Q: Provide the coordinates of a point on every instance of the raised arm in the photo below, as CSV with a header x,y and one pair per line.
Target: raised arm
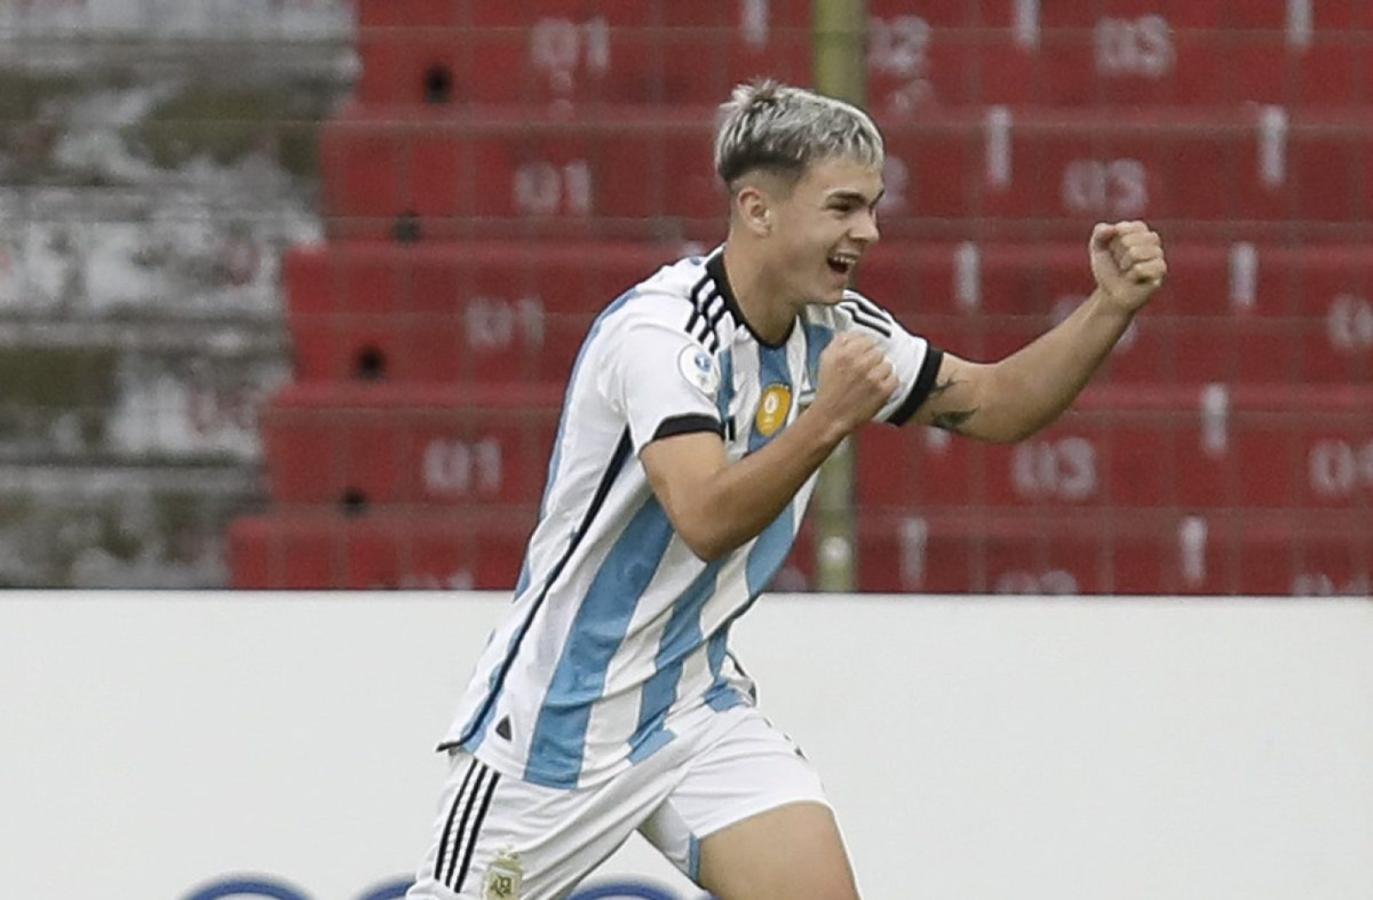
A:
x,y
1010,400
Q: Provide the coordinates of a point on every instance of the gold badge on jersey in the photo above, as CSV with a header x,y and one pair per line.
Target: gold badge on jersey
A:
x,y
772,410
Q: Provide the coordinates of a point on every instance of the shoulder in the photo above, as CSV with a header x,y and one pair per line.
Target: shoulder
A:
x,y
860,312
682,297
854,311
665,296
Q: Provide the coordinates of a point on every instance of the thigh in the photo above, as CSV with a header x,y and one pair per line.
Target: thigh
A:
x,y
792,852
749,819
500,838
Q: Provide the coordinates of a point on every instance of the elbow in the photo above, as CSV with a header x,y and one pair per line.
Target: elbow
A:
x,y
705,545
1012,431
1017,432
703,534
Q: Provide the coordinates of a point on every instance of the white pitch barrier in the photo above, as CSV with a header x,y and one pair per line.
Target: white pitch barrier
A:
x,y
156,745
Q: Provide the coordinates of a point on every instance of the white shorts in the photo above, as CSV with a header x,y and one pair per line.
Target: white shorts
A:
x,y
499,838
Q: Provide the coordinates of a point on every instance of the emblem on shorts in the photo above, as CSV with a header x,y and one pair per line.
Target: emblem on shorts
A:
x,y
503,877
699,369
772,410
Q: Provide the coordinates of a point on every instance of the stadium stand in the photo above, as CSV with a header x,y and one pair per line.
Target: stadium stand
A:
x,y
145,204
504,170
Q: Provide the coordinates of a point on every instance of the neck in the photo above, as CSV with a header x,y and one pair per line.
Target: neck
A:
x,y
763,304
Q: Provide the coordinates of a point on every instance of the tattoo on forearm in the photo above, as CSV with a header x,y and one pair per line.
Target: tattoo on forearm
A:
x,y
942,386
954,420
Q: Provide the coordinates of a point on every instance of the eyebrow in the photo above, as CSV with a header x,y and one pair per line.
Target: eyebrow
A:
x,y
855,196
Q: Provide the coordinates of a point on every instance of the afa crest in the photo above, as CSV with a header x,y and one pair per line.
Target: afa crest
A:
x,y
773,409
503,878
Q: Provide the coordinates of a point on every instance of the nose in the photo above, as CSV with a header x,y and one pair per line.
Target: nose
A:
x,y
865,229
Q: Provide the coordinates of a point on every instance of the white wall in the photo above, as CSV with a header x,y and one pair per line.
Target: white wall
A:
x,y
975,748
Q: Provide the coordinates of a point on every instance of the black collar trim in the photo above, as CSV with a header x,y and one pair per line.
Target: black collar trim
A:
x,y
715,266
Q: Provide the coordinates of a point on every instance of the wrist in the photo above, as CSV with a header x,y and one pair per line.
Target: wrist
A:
x,y
822,430
1107,305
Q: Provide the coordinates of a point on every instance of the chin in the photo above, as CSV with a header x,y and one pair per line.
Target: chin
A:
x,y
833,295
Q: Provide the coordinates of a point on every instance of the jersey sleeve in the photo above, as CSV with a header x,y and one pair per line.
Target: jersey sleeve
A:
x,y
660,378
915,360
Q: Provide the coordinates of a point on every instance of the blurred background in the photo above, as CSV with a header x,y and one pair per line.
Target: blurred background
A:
x,y
289,289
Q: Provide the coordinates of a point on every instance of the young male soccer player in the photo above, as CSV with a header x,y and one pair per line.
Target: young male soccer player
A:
x,y
699,409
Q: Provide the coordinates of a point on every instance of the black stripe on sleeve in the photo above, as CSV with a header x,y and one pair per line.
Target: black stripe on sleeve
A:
x,y
867,321
868,307
708,320
715,318
687,424
696,303
924,383
476,830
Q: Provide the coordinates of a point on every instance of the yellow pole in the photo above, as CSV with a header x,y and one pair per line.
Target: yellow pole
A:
x,y
840,41
840,32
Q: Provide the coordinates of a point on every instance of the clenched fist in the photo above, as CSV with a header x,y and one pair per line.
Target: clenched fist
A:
x,y
1127,262
856,381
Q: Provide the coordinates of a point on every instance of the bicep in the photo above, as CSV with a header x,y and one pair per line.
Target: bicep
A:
x,y
957,397
679,468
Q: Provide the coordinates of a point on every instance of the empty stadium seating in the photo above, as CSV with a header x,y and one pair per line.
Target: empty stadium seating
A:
x,y
506,170
1079,54
494,312
620,165
413,549
564,62
396,549
513,311
1241,312
1259,447
363,445
1163,553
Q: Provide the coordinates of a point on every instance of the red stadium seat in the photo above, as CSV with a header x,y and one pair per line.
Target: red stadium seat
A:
x,y
1165,554
486,312
1219,166
359,446
295,549
319,550
439,278
1260,447
1230,313
617,167
979,552
512,165
1150,53
564,55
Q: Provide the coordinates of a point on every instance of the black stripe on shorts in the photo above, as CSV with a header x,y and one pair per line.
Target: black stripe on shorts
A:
x,y
476,830
452,816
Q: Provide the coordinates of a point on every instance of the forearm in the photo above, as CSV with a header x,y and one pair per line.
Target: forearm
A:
x,y
1032,387
738,500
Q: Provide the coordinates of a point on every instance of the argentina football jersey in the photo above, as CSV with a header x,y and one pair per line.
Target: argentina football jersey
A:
x,y
617,640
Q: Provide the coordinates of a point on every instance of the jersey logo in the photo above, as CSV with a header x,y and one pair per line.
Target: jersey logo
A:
x,y
772,410
699,369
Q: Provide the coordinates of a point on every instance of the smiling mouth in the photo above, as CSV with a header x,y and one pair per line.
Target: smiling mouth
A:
x,y
842,263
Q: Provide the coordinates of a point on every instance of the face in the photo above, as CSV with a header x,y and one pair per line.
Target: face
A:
x,y
823,227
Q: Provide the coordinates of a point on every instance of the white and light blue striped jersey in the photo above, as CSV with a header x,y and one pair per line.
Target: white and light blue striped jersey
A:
x,y
617,639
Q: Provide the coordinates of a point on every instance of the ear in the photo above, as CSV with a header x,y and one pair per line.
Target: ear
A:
x,y
754,208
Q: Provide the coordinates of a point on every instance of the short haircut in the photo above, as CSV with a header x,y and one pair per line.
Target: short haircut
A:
x,y
782,129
